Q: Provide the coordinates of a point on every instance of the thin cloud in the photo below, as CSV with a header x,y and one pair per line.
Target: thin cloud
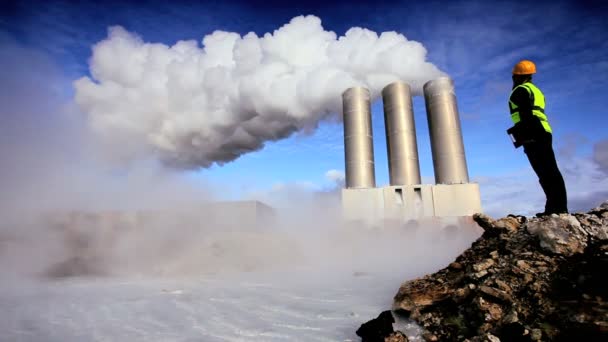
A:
x,y
336,177
600,155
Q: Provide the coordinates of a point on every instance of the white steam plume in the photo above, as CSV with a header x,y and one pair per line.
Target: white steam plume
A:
x,y
192,106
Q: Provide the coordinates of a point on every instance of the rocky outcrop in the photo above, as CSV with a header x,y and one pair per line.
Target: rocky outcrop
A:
x,y
380,329
539,279
396,336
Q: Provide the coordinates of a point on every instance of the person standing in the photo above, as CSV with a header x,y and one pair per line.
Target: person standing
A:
x,y
527,107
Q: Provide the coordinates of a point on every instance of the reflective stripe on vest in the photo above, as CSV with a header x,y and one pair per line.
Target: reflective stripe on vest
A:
x,y
538,105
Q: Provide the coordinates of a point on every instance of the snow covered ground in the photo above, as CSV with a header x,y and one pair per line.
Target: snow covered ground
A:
x,y
315,288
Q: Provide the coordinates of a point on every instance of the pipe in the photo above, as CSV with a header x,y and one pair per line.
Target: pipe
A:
x,y
449,160
402,149
358,138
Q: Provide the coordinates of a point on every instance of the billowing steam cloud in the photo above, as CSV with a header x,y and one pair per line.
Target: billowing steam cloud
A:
x,y
192,107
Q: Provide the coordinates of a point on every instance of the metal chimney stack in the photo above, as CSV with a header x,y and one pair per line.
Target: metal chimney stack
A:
x,y
403,165
447,147
358,138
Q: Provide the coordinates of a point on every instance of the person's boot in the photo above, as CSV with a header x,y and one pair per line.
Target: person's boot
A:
x,y
548,213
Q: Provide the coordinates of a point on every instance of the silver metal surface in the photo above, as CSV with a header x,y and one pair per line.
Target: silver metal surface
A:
x,y
402,149
447,147
358,142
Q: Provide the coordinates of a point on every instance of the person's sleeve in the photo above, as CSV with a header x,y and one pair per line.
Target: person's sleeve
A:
x,y
524,101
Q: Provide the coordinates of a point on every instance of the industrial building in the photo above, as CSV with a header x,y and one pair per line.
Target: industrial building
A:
x,y
451,197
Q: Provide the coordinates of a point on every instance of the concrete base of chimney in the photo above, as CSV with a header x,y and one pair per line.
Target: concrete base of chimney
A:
x,y
377,207
456,199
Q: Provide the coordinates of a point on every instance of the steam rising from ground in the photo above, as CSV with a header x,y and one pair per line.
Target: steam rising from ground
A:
x,y
165,275
160,275
224,239
194,106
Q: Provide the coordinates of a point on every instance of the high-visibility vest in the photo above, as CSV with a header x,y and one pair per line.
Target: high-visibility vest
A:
x,y
538,105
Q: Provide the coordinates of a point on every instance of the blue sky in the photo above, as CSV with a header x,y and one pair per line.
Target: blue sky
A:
x,y
475,42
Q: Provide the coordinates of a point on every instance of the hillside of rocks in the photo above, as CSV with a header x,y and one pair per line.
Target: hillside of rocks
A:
x,y
524,279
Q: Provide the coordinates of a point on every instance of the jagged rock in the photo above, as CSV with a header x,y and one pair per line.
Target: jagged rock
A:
x,y
421,294
492,338
397,336
511,317
485,222
560,234
536,334
456,266
491,311
523,280
484,338
496,293
594,224
428,336
378,328
483,265
510,224
601,208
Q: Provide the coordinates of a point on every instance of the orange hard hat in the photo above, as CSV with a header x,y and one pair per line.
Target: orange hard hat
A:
x,y
524,67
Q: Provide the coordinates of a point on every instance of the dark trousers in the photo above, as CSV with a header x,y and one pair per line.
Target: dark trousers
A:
x,y
541,157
